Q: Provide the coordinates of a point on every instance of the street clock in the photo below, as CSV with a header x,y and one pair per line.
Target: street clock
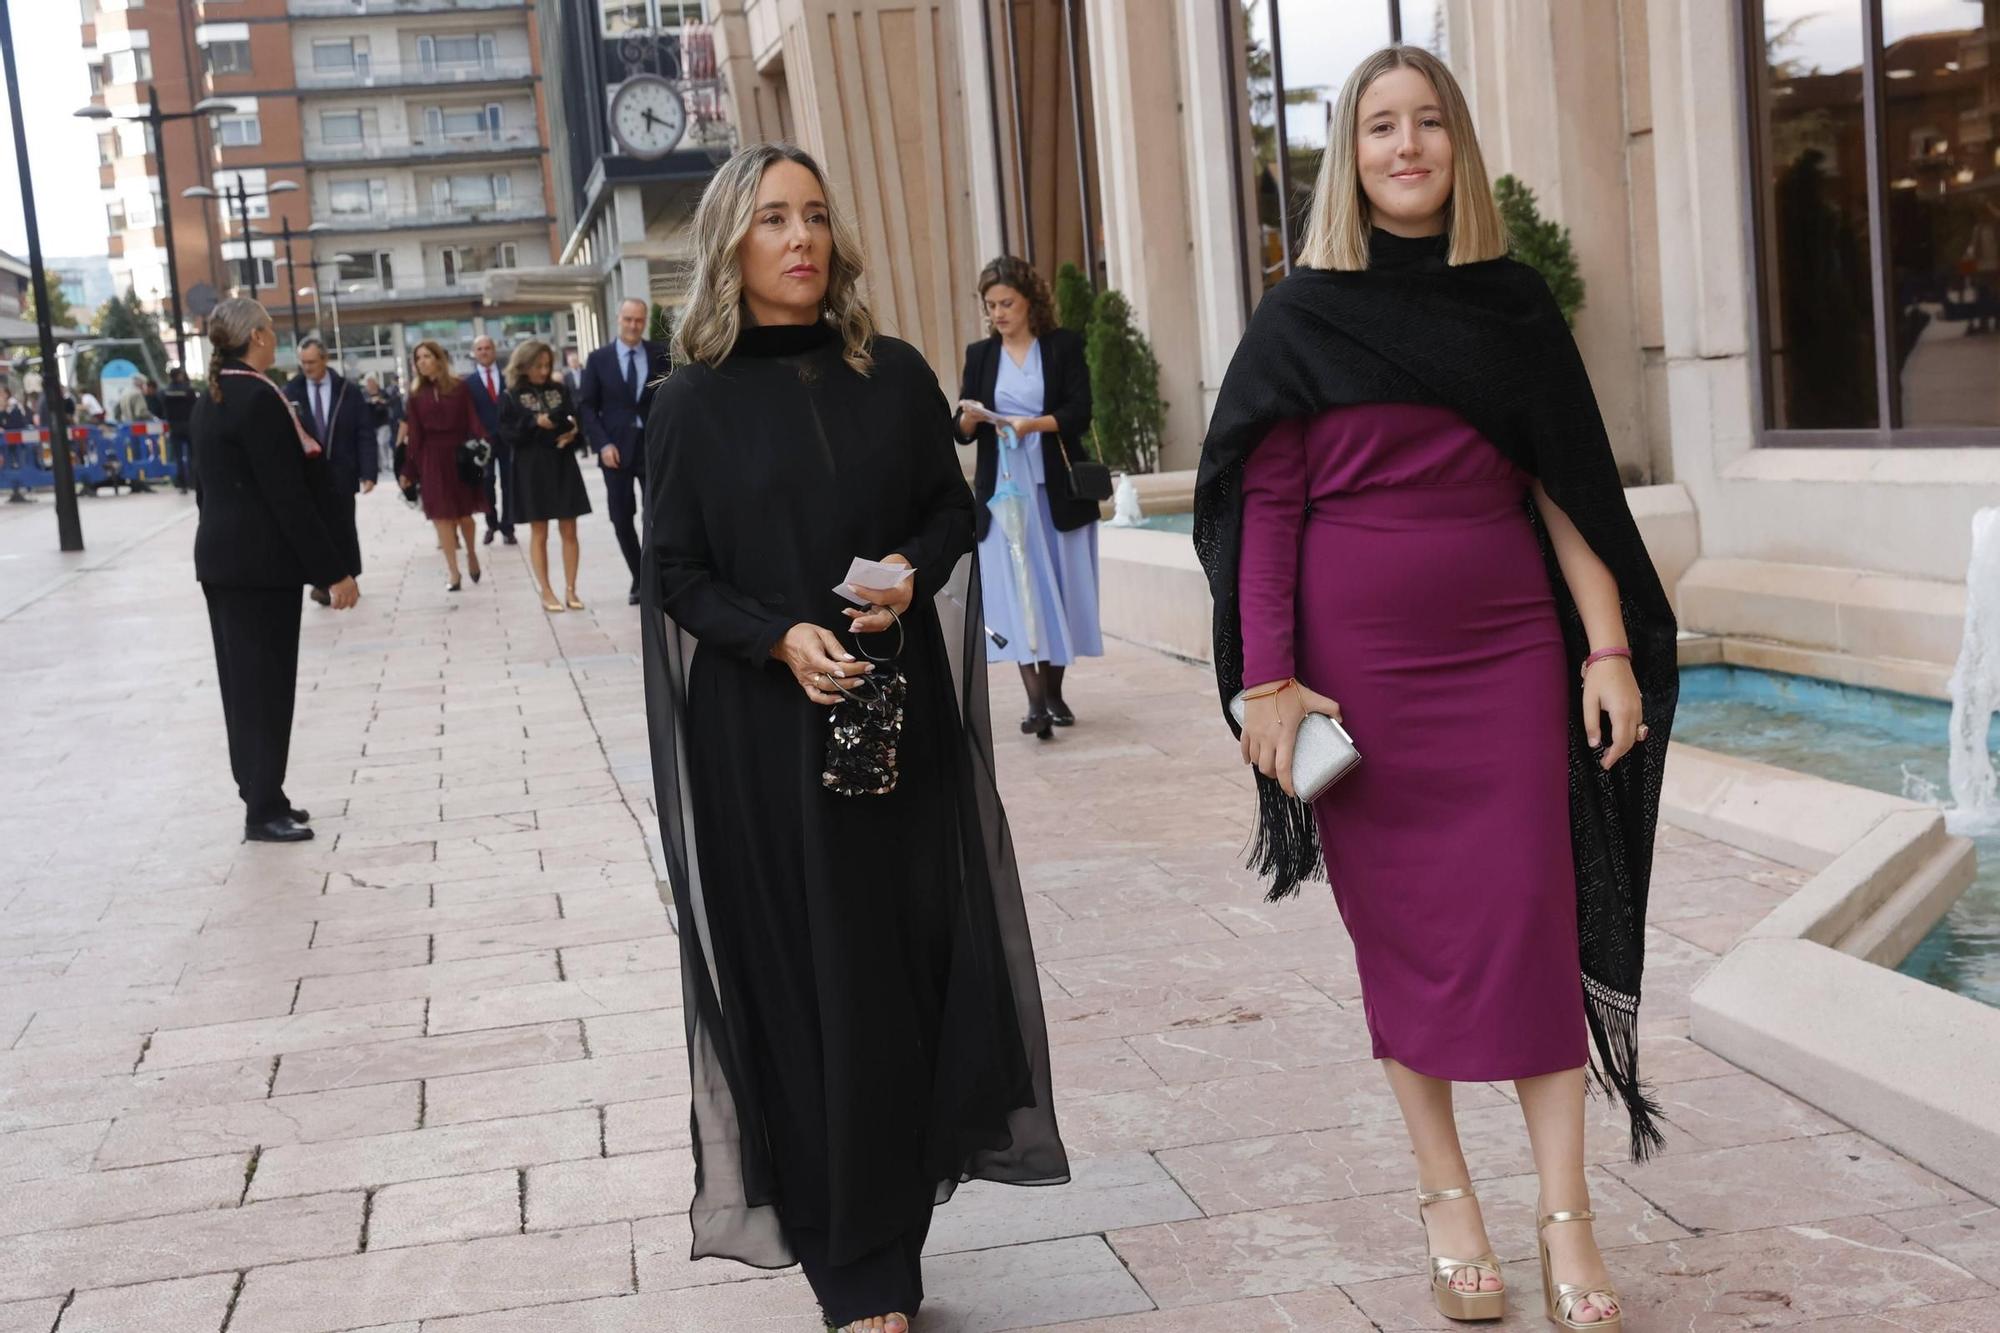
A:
x,y
648,116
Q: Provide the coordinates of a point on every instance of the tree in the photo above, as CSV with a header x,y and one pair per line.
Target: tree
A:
x,y
661,329
126,317
1130,419
1074,297
1542,245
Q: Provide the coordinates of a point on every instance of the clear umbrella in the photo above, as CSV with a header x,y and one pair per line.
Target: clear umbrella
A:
x,y
1010,510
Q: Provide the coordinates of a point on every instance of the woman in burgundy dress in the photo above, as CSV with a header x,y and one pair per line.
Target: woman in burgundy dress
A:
x,y
1411,520
440,417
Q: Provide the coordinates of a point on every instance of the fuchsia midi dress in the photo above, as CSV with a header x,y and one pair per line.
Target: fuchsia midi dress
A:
x,y
1389,564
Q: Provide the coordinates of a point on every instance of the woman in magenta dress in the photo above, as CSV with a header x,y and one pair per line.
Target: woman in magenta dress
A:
x,y
1411,520
440,417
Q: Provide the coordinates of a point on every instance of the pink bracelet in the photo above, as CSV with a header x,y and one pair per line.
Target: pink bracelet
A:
x,y
1600,655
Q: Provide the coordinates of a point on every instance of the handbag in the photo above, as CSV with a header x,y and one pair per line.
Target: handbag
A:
x,y
1088,480
1322,753
472,456
865,726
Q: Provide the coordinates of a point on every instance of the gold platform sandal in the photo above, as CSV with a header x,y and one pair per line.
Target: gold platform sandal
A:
x,y
1451,1302
1563,1297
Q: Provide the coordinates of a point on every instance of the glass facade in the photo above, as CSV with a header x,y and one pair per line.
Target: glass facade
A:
x,y
1877,195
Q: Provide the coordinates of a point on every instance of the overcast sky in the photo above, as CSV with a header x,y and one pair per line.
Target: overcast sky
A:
x,y
62,150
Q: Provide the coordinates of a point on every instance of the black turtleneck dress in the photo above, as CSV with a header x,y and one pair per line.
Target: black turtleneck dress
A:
x,y
864,1029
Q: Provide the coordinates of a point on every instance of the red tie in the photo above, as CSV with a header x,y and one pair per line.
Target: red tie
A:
x,y
492,390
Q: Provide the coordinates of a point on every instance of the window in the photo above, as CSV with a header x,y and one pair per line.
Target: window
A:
x,y
340,128
341,56
254,179
99,75
227,57
472,190
264,270
463,122
1298,54
1877,315
455,50
132,138
114,215
622,16
373,267
107,148
239,131
350,197
461,261
129,66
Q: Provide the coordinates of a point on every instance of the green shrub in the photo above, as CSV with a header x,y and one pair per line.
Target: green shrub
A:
x,y
1542,245
1130,419
1073,298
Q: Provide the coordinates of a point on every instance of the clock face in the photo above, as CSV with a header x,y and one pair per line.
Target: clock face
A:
x,y
648,116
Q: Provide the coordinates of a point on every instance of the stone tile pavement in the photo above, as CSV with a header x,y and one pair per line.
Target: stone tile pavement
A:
x,y
424,1074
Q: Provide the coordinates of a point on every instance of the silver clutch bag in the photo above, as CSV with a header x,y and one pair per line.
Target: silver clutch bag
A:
x,y
1322,754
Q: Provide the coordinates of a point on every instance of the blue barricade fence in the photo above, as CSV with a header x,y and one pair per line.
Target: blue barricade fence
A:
x,y
133,454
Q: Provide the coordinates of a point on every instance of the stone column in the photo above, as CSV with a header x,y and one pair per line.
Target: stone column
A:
x,y
1144,159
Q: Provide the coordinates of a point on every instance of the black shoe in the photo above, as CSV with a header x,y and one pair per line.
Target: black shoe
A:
x,y
507,536
453,586
491,533
299,816
1060,715
632,598
1038,724
282,829
322,596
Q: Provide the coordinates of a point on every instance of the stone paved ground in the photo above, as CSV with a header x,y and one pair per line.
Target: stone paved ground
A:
x,y
424,1075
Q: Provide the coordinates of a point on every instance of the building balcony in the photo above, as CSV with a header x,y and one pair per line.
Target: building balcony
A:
x,y
341,9
433,290
438,215
415,75
380,149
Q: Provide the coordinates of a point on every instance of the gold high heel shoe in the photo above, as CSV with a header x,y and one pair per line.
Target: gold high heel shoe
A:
x,y
1451,1302
1562,1297
575,602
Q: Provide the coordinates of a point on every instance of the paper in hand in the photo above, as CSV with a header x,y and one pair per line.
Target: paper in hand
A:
x,y
873,575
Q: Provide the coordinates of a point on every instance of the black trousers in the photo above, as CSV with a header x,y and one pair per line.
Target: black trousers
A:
x,y
347,537
500,488
622,488
885,1281
256,633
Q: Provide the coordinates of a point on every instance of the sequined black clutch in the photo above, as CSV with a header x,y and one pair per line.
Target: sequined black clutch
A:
x,y
865,727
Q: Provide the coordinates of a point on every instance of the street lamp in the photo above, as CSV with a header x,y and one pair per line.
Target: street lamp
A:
x,y
241,197
314,265
154,118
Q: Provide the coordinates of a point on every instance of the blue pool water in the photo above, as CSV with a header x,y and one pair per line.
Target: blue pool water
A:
x,y
1885,742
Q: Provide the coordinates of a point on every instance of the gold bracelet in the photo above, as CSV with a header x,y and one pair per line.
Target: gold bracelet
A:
x,y
1266,691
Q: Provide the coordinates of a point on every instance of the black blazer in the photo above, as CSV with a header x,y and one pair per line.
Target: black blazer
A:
x,y
260,524
1065,396
608,414
350,430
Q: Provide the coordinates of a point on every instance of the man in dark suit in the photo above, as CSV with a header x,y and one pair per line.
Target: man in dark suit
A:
x,y
486,384
616,389
333,413
572,375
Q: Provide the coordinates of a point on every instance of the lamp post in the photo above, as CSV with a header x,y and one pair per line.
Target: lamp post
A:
x,y
69,528
154,118
315,265
240,197
285,230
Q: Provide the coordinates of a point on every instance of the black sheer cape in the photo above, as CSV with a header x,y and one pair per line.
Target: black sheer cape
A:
x,y
764,475
1487,341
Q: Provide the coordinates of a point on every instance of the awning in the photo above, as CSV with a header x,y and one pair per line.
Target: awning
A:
x,y
15,331
551,284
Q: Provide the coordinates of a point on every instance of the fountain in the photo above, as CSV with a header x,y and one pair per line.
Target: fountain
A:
x,y
1975,687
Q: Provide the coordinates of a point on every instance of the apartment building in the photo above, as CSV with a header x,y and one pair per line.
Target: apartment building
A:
x,y
392,153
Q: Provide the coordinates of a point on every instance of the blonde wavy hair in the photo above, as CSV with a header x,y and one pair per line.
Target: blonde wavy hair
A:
x,y
523,359
713,318
1338,221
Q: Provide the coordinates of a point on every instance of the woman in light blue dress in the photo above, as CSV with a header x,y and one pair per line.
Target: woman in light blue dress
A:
x,y
1037,540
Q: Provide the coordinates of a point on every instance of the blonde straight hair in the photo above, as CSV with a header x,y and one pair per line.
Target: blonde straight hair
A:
x,y
714,315
1337,226
523,360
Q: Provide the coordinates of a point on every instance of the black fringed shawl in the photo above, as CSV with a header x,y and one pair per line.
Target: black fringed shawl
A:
x,y
1487,341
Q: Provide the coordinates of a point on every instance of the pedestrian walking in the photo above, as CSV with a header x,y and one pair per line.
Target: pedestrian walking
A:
x,y
260,537
616,389
1039,564
538,421
440,421
334,414
864,1023
1411,521
487,392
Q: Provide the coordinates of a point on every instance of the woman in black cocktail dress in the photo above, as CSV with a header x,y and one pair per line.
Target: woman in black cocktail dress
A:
x,y
538,418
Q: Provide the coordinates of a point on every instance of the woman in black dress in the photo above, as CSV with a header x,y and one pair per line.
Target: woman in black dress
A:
x,y
864,1024
259,542
538,418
